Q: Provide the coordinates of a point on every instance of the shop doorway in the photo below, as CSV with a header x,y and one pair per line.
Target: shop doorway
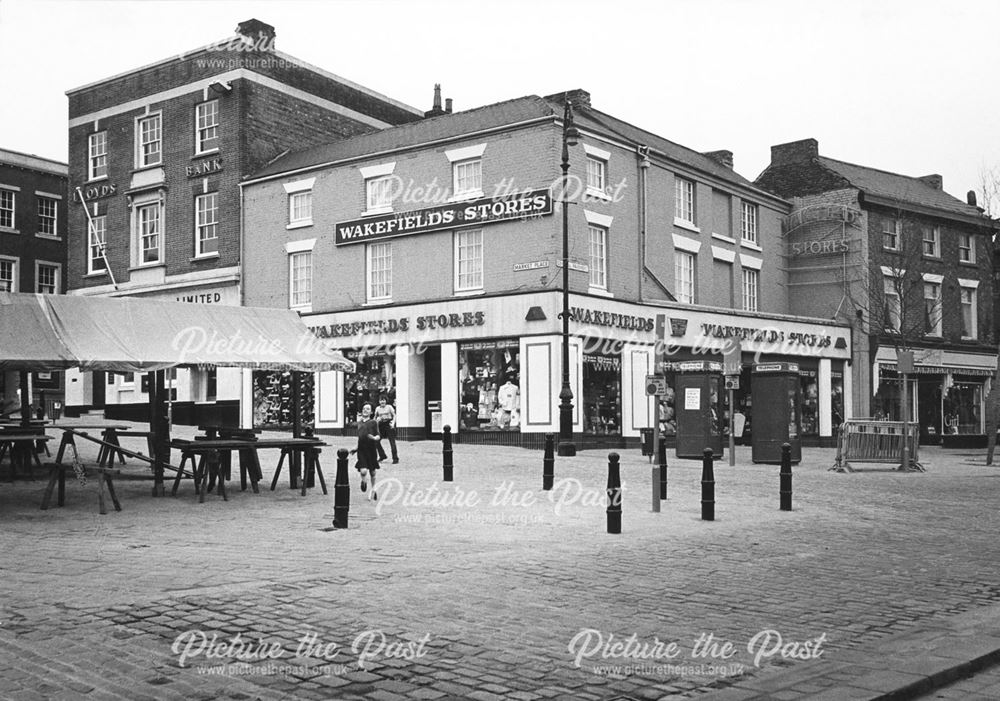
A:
x,y
602,391
432,391
929,409
98,382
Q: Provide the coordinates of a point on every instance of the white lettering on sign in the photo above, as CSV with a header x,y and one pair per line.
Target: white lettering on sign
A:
x,y
815,248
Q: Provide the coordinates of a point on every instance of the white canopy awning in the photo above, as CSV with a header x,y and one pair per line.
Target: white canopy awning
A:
x,y
130,334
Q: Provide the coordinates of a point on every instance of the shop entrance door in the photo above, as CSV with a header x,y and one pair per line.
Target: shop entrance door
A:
x,y
432,392
929,409
99,381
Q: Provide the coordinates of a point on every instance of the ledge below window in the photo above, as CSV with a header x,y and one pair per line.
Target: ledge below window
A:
x,y
470,195
684,224
204,256
469,293
8,230
299,224
600,292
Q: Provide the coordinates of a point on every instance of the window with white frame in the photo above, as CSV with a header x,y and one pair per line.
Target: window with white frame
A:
x,y
8,275
468,260
206,118
97,155
966,248
379,271
147,221
596,174
684,199
932,241
300,279
890,233
148,141
468,177
598,257
749,222
684,276
48,208
47,278
751,289
378,193
932,308
206,224
300,207
7,209
96,240
892,306
968,299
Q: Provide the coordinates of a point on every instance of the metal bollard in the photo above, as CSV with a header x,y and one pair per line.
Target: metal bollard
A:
x,y
785,479
655,481
614,494
341,491
707,487
662,460
548,462
446,453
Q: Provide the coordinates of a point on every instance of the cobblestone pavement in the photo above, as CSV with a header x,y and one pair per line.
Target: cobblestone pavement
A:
x,y
488,587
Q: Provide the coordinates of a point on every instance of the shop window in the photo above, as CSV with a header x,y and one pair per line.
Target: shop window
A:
x,y
837,400
490,386
963,408
602,404
809,414
273,400
374,376
888,401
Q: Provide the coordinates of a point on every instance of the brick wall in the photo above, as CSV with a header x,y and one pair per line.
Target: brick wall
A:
x,y
24,245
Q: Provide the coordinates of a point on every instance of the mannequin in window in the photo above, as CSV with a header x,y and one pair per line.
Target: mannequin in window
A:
x,y
508,397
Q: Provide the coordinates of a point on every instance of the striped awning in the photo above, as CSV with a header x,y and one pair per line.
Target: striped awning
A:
x,y
943,370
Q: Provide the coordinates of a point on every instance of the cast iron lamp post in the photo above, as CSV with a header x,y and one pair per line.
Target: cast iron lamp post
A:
x,y
570,137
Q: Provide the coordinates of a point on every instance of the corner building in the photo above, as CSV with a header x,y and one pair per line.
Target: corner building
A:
x,y
909,267
156,157
431,254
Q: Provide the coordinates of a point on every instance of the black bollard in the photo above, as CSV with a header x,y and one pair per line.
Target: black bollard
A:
x,y
707,487
785,480
446,453
341,491
548,462
614,494
661,458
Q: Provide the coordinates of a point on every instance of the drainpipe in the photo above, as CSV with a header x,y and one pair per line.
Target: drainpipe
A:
x,y
642,152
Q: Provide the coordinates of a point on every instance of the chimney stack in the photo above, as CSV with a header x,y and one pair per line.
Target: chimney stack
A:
x,y
259,34
447,105
722,157
801,151
579,98
435,109
935,181
971,198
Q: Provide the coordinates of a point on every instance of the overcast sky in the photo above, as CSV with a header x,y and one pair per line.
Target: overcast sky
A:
x,y
911,87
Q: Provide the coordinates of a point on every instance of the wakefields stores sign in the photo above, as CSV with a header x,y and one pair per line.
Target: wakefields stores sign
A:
x,y
487,210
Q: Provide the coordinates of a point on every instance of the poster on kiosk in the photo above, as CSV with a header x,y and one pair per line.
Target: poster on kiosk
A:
x,y
699,409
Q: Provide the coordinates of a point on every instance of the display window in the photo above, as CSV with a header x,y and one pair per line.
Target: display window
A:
x,y
273,400
810,402
963,408
489,378
888,401
837,400
602,403
374,376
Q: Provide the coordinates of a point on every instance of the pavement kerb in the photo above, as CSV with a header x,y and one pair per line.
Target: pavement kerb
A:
x,y
904,666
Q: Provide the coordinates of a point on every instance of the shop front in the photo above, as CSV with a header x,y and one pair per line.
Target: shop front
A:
x,y
946,391
490,368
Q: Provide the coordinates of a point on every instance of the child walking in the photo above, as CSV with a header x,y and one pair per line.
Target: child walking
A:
x,y
367,450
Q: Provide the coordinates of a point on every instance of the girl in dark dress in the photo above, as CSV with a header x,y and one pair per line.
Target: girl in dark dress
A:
x,y
367,450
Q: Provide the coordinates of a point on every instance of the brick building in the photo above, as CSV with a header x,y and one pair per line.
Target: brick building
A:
x,y
432,252
156,157
32,247
910,267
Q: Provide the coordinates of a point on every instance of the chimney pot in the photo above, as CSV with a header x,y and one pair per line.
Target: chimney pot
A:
x,y
971,198
794,152
447,105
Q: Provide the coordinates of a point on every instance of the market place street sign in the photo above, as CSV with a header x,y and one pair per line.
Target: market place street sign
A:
x,y
487,210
